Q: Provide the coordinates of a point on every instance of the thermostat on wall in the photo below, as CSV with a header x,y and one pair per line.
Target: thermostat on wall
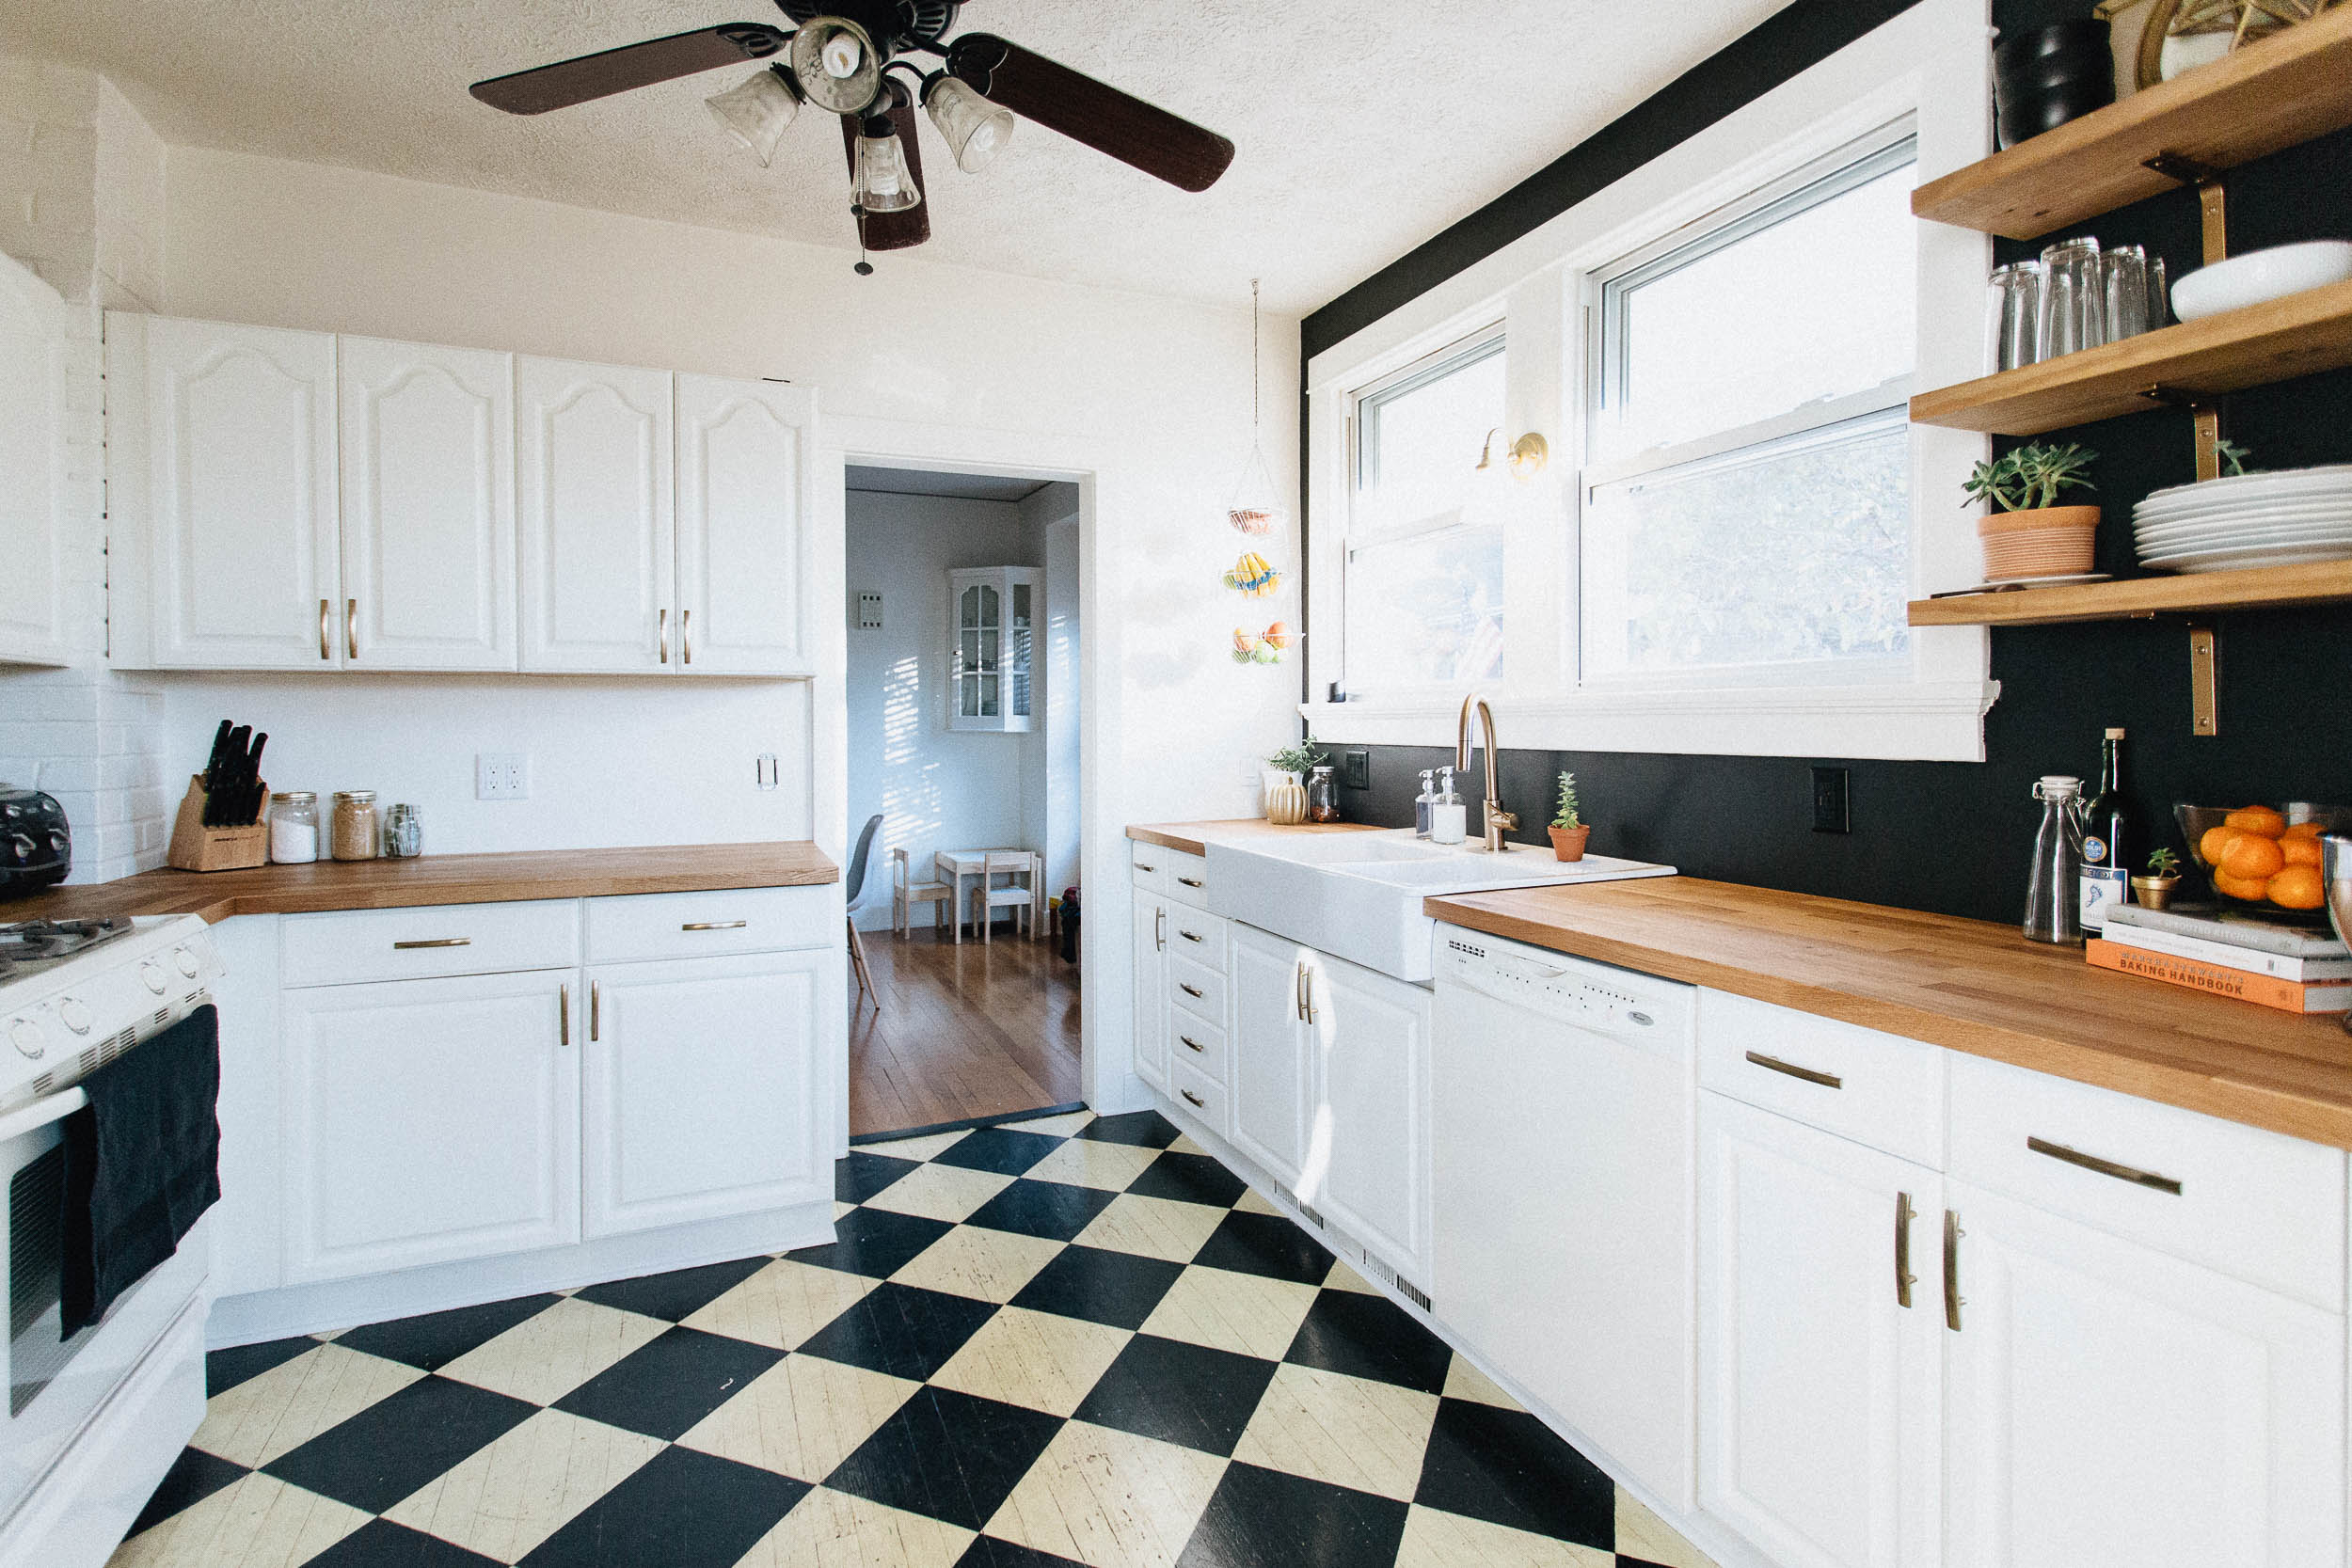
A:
x,y
869,612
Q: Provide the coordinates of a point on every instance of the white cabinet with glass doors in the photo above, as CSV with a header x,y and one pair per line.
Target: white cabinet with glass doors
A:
x,y
992,651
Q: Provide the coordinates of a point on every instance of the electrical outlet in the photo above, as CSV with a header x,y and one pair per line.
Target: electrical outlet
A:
x,y
764,771
502,775
1831,814
1356,770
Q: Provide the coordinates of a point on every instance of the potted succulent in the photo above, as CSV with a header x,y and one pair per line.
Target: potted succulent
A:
x,y
1284,787
2030,535
1568,829
2154,890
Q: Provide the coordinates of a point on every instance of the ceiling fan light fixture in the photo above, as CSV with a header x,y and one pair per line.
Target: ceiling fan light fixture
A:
x,y
882,183
758,111
836,65
975,129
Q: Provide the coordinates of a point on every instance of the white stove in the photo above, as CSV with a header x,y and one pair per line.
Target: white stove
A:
x,y
76,994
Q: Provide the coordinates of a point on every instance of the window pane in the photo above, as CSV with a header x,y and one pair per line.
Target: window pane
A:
x,y
1418,444
1425,609
1790,551
1818,304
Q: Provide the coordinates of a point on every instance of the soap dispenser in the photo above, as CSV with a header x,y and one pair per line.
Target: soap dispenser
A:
x,y
1422,802
1448,820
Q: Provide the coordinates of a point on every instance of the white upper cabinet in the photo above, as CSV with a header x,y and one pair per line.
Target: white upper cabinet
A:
x,y
32,455
745,490
991,647
238,436
428,506
593,446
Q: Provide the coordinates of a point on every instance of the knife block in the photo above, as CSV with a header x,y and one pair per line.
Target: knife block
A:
x,y
198,847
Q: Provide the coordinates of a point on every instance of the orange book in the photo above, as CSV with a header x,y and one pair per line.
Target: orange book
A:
x,y
2289,996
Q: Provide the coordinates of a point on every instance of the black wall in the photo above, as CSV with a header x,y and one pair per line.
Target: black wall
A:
x,y
1956,837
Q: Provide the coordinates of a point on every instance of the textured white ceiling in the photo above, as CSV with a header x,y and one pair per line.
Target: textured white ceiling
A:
x,y
1362,128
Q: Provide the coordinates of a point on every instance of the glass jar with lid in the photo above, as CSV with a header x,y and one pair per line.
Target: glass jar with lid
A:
x,y
356,834
1323,803
293,828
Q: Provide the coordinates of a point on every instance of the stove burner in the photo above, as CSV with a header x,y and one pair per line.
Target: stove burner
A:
x,y
32,942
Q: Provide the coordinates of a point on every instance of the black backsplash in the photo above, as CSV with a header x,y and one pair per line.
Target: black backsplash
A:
x,y
1956,837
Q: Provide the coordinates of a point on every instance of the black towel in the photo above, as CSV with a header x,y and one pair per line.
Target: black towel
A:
x,y
142,1162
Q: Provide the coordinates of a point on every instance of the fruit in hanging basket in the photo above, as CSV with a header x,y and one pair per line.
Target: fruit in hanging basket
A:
x,y
1279,635
1255,521
1252,576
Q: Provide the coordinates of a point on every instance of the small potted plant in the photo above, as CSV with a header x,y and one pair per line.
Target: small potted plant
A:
x,y
1568,829
1285,783
2154,890
2030,535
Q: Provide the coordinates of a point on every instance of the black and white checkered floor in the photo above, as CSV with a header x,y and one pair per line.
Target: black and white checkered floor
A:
x,y
1073,1339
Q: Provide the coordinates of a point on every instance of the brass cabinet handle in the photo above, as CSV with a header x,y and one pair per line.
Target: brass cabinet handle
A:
x,y
563,1015
1190,936
596,1016
351,628
1953,1301
665,635
1141,866
1192,882
1159,929
1827,1079
1904,1278
715,924
1299,989
1189,989
1194,1043
1198,1103
433,942
2132,1174
324,651
686,636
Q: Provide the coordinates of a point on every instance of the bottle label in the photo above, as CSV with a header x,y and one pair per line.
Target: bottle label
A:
x,y
2102,890
2094,850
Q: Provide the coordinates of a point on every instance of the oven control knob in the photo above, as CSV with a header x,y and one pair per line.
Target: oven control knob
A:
x,y
25,1036
188,966
76,1014
151,973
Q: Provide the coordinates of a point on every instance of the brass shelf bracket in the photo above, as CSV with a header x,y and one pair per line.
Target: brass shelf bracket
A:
x,y
2204,657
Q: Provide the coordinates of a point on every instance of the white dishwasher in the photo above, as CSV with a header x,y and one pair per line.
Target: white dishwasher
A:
x,y
1562,1095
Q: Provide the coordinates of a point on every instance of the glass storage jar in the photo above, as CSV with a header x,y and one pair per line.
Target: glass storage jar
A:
x,y
354,835
293,828
403,832
1323,803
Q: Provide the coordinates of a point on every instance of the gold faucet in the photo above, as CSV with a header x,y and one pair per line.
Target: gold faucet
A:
x,y
1498,820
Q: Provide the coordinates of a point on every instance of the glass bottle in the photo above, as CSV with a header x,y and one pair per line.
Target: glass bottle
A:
x,y
1448,820
2053,912
1422,802
2107,851
354,833
1323,802
293,828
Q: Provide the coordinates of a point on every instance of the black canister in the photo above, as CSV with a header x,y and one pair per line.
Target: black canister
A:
x,y
2046,76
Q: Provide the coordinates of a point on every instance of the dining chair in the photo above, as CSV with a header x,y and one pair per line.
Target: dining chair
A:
x,y
856,899
905,893
1019,896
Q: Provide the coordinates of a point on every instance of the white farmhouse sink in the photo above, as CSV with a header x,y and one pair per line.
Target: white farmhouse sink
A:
x,y
1357,896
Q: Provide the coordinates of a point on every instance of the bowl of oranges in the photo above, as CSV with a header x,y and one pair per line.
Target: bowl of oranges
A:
x,y
2256,856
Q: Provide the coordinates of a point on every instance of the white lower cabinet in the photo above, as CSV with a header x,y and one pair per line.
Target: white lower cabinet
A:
x,y
1817,1385
700,1091
1151,982
428,1120
1270,1073
1370,1034
2110,1406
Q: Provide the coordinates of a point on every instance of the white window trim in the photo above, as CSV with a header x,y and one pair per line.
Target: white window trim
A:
x,y
1931,62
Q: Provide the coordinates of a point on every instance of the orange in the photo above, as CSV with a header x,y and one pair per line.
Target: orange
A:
x,y
2253,858
2298,887
2304,830
2214,845
2234,887
2257,819
2301,851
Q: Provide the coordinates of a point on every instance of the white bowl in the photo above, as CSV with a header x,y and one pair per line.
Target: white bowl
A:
x,y
2260,274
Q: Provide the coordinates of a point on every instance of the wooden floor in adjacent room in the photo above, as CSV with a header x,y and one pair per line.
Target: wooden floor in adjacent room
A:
x,y
976,1030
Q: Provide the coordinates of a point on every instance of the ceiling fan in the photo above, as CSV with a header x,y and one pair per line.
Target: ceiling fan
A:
x,y
841,57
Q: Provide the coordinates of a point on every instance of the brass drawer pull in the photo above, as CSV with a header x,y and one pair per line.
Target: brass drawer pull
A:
x,y
1904,1278
1141,866
351,629
596,1009
1190,936
323,650
1953,1300
1190,989
1192,882
433,942
686,636
1827,1079
1194,1043
1198,1103
2132,1174
665,637
563,1015
715,924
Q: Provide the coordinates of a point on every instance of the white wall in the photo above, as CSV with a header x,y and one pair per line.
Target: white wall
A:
x,y
1049,798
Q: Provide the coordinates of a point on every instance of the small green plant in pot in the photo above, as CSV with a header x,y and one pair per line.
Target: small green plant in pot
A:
x,y
2154,890
2027,534
1284,786
1569,828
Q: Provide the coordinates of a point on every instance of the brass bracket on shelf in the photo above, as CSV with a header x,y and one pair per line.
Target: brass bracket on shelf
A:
x,y
2204,657
2211,197
2205,417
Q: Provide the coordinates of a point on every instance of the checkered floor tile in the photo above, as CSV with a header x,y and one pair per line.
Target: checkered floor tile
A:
x,y
1077,1339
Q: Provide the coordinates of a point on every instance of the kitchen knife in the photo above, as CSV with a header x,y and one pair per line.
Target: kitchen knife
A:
x,y
220,753
217,804
252,802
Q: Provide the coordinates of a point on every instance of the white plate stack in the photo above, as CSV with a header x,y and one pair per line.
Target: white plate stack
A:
x,y
2272,519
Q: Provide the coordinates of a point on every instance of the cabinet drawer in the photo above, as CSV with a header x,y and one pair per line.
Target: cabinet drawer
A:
x,y
1151,862
1188,879
1196,1092
1196,935
347,946
1198,1044
2259,1206
696,925
1875,1088
1196,989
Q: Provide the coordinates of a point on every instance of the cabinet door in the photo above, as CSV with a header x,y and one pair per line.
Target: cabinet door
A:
x,y
745,491
427,1120
32,455
1151,981
1270,1070
1818,1388
240,491
702,1095
1370,1035
2110,1404
428,506
593,454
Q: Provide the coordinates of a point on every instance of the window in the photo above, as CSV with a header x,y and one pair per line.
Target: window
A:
x,y
1746,501
1423,572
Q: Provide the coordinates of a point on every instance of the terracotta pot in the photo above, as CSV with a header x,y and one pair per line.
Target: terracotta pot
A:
x,y
1285,796
2045,542
1568,843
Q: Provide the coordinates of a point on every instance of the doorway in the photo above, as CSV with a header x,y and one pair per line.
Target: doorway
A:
x,y
963,737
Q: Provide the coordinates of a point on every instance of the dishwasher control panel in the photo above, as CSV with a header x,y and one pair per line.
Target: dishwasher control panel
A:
x,y
1598,996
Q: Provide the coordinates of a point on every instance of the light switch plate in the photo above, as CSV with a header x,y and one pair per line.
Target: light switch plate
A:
x,y
502,775
1832,812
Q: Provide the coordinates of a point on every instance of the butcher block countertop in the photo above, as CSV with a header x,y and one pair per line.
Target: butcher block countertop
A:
x,y
1970,984
1193,837
436,880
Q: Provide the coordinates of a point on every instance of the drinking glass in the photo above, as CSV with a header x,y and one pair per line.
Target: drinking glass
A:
x,y
2073,298
2012,316
2124,269
2159,300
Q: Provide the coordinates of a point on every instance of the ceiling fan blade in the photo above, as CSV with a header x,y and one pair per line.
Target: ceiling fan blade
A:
x,y
894,231
634,65
1089,111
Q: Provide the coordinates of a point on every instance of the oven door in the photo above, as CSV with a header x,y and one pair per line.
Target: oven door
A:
x,y
55,1383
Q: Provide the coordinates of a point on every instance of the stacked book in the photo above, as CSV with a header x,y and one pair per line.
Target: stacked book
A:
x,y
2295,969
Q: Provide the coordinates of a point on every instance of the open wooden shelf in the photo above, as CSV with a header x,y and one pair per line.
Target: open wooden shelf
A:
x,y
2137,598
2276,340
2271,94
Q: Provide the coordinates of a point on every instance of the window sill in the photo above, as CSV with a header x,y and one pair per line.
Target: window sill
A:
x,y
1909,721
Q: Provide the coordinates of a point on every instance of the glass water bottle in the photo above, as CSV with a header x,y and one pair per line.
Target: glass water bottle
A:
x,y
2053,892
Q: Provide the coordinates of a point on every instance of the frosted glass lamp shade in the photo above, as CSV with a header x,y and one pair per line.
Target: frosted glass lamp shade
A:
x,y
975,129
883,184
756,112
836,65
